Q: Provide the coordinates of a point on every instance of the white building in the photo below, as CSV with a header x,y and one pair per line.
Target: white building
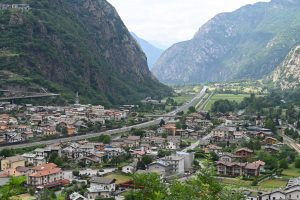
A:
x,y
176,161
34,159
289,193
188,159
101,188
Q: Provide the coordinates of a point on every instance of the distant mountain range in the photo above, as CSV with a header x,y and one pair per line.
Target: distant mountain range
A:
x,y
152,52
74,46
247,43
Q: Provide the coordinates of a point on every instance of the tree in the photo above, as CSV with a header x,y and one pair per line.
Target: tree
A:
x,y
106,139
58,161
298,124
138,132
214,156
270,124
146,160
180,113
163,153
14,187
224,106
162,123
297,162
202,187
178,125
75,173
55,158
164,135
7,152
64,131
207,117
151,188
46,194
283,164
192,109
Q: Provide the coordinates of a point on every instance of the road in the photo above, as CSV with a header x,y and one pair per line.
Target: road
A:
x,y
185,107
194,145
289,141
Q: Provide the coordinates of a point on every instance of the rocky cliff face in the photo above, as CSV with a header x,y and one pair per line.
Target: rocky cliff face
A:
x,y
152,52
247,43
287,75
76,45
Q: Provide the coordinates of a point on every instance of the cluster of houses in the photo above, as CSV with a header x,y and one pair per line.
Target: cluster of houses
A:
x,y
42,121
23,7
41,174
236,163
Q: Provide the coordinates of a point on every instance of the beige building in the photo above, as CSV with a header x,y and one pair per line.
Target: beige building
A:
x,y
46,175
12,162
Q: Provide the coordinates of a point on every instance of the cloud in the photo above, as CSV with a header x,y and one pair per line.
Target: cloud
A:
x,y
165,22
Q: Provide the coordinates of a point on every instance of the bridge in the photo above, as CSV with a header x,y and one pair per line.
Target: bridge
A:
x,y
15,95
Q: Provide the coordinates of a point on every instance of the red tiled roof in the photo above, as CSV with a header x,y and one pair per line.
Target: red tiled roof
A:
x,y
46,172
244,149
46,166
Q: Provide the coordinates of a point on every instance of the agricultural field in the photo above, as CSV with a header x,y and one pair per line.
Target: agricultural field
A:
x,y
231,97
182,99
249,87
185,93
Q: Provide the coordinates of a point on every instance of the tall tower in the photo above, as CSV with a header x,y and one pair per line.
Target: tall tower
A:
x,y
77,98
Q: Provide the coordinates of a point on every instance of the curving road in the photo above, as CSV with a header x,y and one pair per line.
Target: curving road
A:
x,y
291,142
185,107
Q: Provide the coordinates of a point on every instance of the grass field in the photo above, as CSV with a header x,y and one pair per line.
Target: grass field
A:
x,y
231,97
291,172
119,178
267,185
235,182
183,99
273,184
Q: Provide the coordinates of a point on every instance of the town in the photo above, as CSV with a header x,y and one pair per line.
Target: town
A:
x,y
240,147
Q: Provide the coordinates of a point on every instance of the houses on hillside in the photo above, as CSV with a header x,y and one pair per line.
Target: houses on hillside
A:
x,y
235,169
54,121
46,175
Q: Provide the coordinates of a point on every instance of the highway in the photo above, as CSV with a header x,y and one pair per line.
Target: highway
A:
x,y
185,107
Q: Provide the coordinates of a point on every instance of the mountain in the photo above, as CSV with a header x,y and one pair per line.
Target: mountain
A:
x,y
152,52
247,43
69,46
287,75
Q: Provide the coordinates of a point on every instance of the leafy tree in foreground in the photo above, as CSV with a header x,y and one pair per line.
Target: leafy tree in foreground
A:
x,y
14,187
203,187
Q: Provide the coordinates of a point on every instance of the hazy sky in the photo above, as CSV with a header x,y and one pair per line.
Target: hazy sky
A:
x,y
165,22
